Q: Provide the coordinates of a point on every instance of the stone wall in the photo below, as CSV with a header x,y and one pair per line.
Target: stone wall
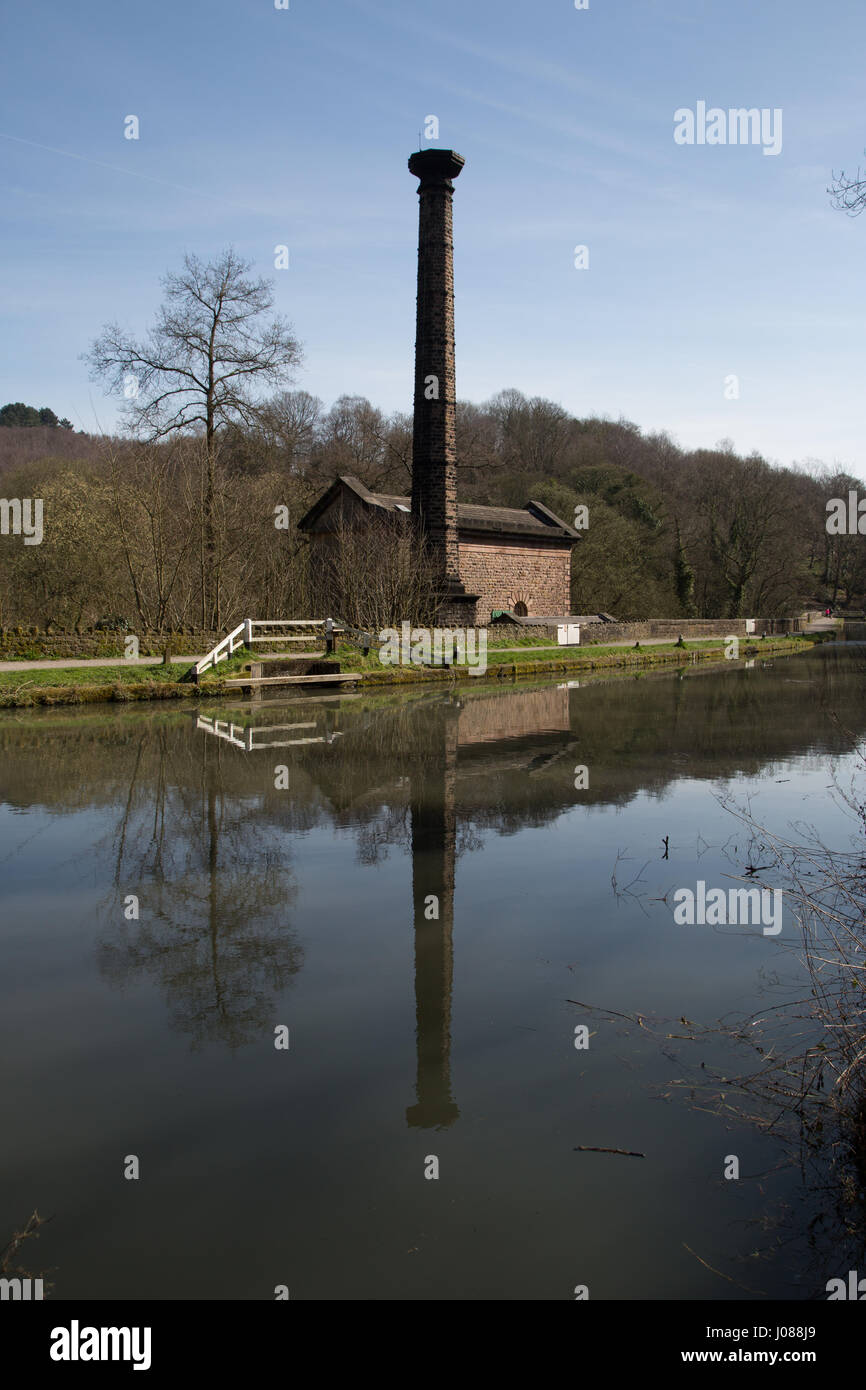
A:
x,y
35,646
504,574
691,629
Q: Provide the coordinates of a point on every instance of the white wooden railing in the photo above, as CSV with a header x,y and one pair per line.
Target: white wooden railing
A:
x,y
223,650
243,636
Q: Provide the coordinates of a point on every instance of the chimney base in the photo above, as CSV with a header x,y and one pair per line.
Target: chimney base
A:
x,y
456,608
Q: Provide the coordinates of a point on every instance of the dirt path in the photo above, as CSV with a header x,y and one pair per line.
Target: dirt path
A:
x,y
71,663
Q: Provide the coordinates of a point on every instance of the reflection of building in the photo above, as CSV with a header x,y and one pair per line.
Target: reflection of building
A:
x,y
515,734
434,841
494,719
434,835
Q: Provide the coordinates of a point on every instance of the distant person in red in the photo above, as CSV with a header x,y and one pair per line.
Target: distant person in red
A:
x,y
826,612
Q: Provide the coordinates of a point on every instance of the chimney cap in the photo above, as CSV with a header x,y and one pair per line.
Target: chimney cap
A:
x,y
432,166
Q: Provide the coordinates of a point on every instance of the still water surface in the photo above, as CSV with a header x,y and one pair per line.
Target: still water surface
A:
x,y
304,897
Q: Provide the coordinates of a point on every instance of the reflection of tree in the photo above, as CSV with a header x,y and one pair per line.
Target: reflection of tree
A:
x,y
795,1071
810,1081
213,890
198,830
375,836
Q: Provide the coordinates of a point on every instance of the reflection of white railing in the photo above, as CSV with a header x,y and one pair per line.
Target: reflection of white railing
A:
x,y
243,637
245,737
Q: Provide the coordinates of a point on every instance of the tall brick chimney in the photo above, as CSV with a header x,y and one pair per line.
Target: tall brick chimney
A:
x,y
434,449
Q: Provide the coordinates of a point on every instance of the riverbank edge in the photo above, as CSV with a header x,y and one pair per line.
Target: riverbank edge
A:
x,y
505,670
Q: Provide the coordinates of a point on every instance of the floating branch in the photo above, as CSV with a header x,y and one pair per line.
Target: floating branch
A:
x,y
592,1149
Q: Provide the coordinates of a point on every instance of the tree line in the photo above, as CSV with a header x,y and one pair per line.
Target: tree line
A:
x,y
188,519
16,413
671,532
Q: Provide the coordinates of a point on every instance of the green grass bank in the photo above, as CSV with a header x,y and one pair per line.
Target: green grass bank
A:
x,y
93,684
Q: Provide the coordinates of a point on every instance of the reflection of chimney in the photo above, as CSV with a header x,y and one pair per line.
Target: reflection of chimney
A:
x,y
434,831
434,444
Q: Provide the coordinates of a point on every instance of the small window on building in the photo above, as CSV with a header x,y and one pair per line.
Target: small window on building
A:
x,y
520,610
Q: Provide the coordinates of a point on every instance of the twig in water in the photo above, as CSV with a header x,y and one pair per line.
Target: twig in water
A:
x,y
721,1275
593,1149
596,1008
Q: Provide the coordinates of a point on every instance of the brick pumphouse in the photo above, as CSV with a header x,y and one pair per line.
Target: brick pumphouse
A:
x,y
514,559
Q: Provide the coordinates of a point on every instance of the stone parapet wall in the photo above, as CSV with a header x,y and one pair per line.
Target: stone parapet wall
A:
x,y
24,643
691,629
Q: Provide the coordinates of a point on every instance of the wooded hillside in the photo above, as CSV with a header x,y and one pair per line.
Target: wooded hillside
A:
x,y
671,532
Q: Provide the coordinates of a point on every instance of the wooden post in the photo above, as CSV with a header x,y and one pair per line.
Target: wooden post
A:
x,y
329,636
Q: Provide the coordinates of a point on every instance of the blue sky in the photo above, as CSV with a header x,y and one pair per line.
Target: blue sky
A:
x,y
261,127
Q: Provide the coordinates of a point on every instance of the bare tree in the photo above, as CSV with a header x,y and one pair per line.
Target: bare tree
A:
x,y
289,423
401,584
353,436
849,195
200,368
748,521
30,1230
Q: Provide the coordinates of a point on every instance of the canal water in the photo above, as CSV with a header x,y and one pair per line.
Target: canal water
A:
x,y
344,995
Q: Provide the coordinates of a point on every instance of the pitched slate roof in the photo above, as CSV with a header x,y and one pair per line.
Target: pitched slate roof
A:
x,y
532,520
